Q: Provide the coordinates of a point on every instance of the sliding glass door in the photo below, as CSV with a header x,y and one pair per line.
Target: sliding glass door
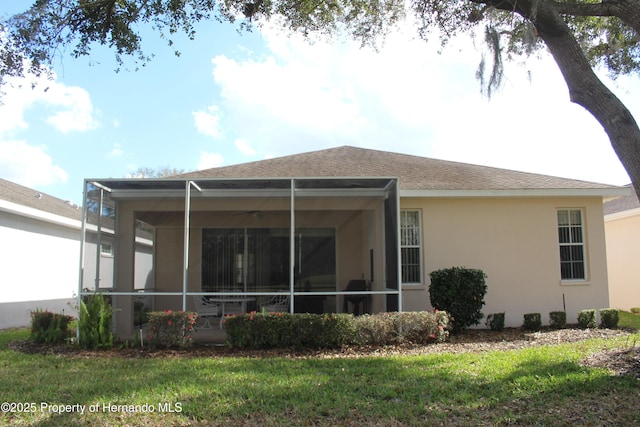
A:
x,y
222,251
258,259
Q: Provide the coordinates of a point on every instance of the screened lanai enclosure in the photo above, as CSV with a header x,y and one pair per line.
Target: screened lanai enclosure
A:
x,y
316,245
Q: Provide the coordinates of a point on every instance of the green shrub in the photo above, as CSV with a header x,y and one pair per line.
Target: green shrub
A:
x,y
495,321
558,319
532,322
419,327
303,330
286,330
587,318
609,318
171,328
635,310
95,322
140,313
375,329
49,328
460,292
258,330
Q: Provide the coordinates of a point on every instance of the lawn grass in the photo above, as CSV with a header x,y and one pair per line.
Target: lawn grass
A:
x,y
629,320
535,386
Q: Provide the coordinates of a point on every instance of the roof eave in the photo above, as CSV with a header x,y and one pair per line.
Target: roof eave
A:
x,y
32,213
622,214
529,192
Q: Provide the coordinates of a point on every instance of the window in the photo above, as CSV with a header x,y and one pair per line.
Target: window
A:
x,y
106,249
410,246
571,239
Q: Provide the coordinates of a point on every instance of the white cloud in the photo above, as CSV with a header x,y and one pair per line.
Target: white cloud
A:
x,y
294,93
28,165
244,147
409,98
303,96
116,151
78,112
529,126
73,105
209,160
17,98
208,122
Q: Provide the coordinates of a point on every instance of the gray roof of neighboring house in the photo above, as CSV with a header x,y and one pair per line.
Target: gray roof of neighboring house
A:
x,y
414,172
18,194
621,204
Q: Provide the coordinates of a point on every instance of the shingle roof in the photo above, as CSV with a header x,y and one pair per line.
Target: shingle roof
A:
x,y
414,172
31,198
621,204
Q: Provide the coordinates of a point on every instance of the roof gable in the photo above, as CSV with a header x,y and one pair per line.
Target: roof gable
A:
x,y
414,172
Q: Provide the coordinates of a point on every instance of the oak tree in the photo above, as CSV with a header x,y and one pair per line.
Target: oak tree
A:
x,y
160,172
581,35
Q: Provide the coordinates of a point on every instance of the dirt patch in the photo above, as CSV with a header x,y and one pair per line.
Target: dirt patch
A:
x,y
619,362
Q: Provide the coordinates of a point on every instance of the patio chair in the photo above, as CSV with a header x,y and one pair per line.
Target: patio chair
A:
x,y
355,300
277,303
207,309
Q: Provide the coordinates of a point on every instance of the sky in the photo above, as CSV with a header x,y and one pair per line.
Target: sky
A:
x,y
232,98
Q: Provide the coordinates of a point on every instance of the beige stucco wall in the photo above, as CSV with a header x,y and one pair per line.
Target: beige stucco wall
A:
x,y
623,253
515,242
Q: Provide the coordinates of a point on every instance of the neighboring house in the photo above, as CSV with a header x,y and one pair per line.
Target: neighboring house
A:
x,y
306,225
40,248
622,227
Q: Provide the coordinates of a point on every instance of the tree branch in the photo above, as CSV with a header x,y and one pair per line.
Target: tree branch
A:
x,y
604,8
587,90
626,10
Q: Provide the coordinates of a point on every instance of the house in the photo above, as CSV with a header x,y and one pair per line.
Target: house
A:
x,y
622,227
40,238
310,225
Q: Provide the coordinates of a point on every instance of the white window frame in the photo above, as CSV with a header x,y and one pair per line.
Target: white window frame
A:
x,y
571,243
106,249
418,246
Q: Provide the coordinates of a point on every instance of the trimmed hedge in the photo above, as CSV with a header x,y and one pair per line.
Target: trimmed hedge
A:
x,y
304,330
532,322
558,319
609,318
495,321
587,318
460,292
286,330
420,327
171,328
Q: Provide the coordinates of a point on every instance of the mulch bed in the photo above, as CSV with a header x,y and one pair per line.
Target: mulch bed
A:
x,y
619,361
